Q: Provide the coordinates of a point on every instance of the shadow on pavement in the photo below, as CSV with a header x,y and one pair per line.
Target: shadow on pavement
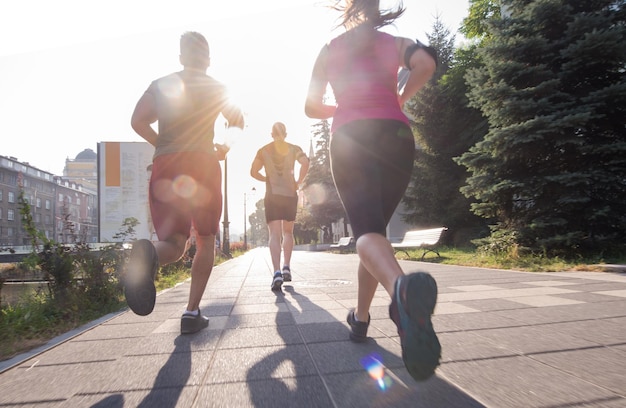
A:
x,y
326,359
172,377
112,401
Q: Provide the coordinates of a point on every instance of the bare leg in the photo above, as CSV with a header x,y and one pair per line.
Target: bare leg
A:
x,y
287,241
170,250
366,290
274,228
377,257
201,268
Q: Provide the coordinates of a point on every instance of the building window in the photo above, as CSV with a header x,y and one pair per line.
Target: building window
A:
x,y
10,231
0,213
11,215
78,201
38,202
60,197
11,197
47,204
37,218
0,195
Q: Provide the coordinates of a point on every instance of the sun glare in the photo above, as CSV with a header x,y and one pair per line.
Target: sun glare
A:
x,y
376,369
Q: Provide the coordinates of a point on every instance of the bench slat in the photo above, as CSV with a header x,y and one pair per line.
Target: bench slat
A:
x,y
420,239
343,242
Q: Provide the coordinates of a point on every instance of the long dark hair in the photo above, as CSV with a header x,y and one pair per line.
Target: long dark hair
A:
x,y
358,12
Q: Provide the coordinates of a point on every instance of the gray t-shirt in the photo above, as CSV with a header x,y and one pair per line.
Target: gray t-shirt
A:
x,y
187,105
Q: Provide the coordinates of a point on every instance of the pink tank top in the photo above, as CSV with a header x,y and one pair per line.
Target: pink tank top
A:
x,y
364,81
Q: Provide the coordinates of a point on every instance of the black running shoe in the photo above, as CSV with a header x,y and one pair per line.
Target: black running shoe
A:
x,y
412,305
286,274
138,280
358,330
190,324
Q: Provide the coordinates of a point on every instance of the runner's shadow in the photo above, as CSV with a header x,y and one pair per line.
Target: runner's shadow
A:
x,y
323,358
172,377
286,377
169,383
112,401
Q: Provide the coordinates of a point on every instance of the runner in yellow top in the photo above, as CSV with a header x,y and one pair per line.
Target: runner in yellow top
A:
x,y
281,196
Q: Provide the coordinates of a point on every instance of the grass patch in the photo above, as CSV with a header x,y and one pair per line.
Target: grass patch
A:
x,y
528,263
35,319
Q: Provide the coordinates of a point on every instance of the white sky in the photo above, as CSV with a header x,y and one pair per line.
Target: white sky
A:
x,y
71,71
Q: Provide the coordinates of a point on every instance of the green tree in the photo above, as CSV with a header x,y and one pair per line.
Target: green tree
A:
x,y
552,169
322,198
444,127
481,12
305,228
259,234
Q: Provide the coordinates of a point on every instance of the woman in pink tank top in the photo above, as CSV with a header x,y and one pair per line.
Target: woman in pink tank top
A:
x,y
372,151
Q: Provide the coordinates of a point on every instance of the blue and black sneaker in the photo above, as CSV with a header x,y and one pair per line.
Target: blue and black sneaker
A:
x,y
286,273
277,282
411,307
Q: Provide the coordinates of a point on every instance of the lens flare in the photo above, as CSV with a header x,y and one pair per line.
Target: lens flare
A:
x,y
172,86
316,194
374,366
184,186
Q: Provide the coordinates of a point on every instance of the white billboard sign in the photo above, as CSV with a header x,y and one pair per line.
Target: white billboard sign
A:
x,y
123,175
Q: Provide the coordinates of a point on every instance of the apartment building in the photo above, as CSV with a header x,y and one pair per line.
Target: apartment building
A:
x,y
62,209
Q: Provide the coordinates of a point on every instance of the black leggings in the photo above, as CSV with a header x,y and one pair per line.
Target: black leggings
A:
x,y
371,162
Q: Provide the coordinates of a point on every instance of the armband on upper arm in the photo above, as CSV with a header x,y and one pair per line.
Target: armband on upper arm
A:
x,y
410,50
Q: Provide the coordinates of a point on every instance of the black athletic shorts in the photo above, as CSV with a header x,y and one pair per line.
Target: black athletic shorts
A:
x,y
279,207
371,162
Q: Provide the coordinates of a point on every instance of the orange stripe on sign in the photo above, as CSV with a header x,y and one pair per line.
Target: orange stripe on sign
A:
x,y
112,164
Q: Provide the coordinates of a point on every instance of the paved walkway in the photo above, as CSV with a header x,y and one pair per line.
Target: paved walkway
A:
x,y
510,339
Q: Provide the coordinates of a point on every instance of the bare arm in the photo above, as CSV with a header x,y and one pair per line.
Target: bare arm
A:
x,y
143,116
304,168
255,170
314,106
421,65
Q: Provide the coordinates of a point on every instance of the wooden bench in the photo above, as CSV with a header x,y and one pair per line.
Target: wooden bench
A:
x,y
343,243
424,239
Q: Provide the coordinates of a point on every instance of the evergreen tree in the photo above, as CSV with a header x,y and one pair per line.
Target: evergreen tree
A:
x,y
444,127
552,168
323,200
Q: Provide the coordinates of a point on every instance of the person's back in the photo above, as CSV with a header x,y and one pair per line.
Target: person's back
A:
x,y
278,161
187,105
362,69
